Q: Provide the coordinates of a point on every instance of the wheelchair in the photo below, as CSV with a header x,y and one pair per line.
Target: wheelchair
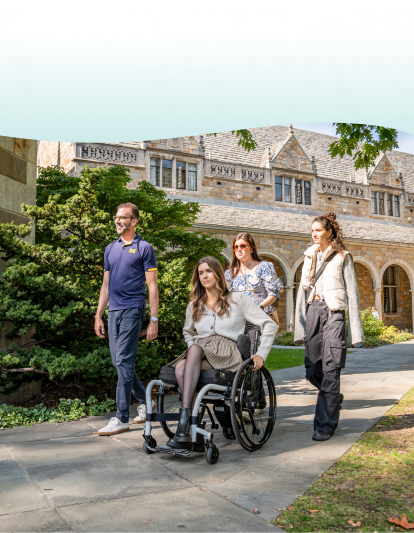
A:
x,y
242,403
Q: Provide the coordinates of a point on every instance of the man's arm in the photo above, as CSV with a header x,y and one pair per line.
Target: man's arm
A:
x,y
103,302
151,279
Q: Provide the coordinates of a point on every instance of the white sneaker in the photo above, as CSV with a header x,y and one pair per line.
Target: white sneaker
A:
x,y
113,427
142,413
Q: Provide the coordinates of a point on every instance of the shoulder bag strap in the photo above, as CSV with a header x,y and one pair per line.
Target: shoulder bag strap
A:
x,y
320,271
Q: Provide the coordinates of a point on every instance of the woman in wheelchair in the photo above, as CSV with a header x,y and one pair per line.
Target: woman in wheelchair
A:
x,y
215,318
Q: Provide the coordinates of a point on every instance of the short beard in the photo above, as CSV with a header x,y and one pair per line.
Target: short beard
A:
x,y
123,229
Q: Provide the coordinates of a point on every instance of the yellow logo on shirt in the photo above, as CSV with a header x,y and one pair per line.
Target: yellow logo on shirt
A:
x,y
132,250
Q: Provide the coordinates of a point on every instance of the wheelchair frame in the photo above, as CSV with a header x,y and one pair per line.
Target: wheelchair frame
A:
x,y
225,393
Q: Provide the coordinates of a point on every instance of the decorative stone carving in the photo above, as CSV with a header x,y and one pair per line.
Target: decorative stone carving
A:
x,y
410,199
353,190
331,188
252,175
109,155
293,161
222,171
175,143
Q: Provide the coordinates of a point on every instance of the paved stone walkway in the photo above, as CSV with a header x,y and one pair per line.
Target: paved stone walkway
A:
x,y
64,478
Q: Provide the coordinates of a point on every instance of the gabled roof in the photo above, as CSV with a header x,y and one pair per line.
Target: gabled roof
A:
x,y
224,147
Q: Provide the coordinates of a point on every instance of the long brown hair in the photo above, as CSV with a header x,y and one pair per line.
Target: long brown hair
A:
x,y
235,261
198,295
328,222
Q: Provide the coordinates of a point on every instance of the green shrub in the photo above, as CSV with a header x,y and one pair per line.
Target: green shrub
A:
x,y
12,415
285,339
52,287
371,326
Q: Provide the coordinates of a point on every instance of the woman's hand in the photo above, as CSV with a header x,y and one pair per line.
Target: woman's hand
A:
x,y
258,361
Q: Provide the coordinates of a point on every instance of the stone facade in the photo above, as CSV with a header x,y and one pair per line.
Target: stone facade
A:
x,y
18,159
274,192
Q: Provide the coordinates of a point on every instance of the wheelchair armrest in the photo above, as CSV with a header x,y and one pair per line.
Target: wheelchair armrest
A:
x,y
243,345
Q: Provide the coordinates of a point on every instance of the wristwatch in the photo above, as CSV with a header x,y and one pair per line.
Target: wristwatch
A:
x,y
261,307
154,319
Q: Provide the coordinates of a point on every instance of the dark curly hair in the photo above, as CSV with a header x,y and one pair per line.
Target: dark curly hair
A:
x,y
328,222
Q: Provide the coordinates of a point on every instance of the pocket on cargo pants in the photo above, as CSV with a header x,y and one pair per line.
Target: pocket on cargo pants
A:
x,y
335,354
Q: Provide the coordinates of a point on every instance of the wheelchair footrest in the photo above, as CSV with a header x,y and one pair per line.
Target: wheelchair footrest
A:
x,y
172,451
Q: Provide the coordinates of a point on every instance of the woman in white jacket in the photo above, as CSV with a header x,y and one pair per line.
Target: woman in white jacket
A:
x,y
327,289
214,320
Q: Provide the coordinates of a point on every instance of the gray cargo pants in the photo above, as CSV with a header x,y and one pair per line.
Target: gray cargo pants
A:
x,y
325,354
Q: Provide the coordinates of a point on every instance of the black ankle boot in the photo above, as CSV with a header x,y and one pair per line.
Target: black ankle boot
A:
x,y
183,433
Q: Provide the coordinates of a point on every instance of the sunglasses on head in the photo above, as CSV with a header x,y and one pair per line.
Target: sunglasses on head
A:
x,y
241,246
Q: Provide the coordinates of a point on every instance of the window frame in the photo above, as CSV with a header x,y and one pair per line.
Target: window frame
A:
x,y
292,181
156,167
390,290
385,204
156,171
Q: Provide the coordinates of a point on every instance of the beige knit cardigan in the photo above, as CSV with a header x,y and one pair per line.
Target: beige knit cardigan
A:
x,y
232,323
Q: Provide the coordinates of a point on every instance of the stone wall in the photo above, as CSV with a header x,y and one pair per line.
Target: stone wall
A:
x,y
53,153
287,251
18,158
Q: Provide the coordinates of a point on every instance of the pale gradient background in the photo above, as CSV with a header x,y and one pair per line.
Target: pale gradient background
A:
x,y
114,71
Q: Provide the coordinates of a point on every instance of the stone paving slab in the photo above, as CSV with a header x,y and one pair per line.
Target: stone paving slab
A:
x,y
38,520
65,478
193,508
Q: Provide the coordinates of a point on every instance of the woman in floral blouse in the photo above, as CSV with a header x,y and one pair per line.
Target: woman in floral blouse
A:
x,y
256,278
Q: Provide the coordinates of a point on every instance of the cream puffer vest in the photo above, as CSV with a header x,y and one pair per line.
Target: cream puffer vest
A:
x,y
333,283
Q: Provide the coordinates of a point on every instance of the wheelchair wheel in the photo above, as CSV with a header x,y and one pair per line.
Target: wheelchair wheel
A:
x,y
212,454
253,406
169,403
151,442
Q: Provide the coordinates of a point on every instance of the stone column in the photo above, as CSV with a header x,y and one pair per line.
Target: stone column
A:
x,y
290,319
378,302
412,307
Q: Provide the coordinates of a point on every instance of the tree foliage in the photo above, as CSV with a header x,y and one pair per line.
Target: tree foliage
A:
x,y
52,287
364,142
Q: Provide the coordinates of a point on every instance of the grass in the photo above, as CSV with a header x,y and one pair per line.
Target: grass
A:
x,y
279,358
371,483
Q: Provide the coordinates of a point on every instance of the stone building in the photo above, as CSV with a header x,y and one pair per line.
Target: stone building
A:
x,y
274,192
18,160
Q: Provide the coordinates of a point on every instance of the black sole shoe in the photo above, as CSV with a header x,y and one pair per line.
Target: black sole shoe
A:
x,y
198,446
320,436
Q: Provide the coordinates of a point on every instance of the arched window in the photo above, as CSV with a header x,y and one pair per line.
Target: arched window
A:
x,y
390,290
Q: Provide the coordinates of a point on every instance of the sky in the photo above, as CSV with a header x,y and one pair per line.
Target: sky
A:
x,y
405,140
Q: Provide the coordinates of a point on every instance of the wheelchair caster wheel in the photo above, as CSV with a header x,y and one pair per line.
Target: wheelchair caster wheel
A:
x,y
212,454
149,441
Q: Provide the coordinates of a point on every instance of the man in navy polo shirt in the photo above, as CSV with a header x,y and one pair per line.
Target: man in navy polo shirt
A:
x,y
129,262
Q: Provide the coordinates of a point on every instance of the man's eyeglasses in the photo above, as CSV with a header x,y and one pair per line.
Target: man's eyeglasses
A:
x,y
121,219
241,246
